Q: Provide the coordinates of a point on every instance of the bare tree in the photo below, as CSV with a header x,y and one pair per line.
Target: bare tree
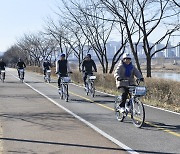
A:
x,y
37,46
136,17
95,30
148,25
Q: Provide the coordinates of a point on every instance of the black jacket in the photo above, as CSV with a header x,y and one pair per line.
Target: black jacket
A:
x,y
88,65
2,65
21,65
46,65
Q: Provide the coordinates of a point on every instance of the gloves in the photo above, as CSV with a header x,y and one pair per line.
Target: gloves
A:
x,y
118,79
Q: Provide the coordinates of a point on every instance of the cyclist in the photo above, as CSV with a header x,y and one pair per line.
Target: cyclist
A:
x,y
124,72
87,66
2,65
46,66
62,68
20,65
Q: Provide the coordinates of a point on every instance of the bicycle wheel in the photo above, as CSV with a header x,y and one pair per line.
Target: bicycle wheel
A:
x,y
49,78
66,95
61,91
92,90
138,113
3,77
119,116
87,88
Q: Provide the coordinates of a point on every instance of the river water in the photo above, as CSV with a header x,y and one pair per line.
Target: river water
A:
x,y
171,76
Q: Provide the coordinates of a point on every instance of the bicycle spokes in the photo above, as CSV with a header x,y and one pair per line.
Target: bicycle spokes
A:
x,y
138,113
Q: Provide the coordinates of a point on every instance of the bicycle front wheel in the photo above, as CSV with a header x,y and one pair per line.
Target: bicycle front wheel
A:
x,y
138,113
119,116
61,91
92,90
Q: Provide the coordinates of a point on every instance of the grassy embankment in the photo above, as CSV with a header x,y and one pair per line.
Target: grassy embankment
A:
x,y
161,93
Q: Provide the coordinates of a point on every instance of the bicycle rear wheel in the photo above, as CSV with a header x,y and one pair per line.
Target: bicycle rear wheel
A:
x,y
66,94
138,113
119,116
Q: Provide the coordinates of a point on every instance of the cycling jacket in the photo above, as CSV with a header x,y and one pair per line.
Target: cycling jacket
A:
x,y
2,65
21,65
87,66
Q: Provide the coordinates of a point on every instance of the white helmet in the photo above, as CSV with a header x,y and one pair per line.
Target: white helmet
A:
x,y
126,55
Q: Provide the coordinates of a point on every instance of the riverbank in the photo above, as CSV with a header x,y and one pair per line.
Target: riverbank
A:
x,y
165,68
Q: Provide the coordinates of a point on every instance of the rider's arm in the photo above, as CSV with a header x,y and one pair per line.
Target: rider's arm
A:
x,y
83,66
68,67
94,66
137,73
24,65
57,66
117,75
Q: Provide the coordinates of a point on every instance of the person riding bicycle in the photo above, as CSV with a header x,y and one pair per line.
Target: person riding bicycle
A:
x,y
2,65
46,66
62,68
124,75
20,65
87,66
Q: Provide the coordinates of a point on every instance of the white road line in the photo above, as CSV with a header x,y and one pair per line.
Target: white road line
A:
x,y
120,144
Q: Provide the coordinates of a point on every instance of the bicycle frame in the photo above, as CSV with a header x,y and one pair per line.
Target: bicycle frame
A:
x,y
21,71
64,93
90,88
48,76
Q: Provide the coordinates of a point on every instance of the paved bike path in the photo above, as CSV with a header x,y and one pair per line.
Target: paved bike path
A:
x,y
32,124
161,133
160,136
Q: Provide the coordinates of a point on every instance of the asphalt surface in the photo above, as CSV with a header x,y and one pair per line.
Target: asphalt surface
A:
x,y
33,122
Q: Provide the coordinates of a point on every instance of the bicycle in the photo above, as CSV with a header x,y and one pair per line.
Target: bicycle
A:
x,y
133,105
63,91
2,75
90,88
47,77
21,75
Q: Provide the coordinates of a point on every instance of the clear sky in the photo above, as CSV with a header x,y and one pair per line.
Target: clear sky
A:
x,y
22,16
18,17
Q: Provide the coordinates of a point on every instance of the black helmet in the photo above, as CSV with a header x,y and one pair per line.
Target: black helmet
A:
x,y
63,55
88,55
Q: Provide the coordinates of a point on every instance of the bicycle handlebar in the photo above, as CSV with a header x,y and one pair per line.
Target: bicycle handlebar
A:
x,y
138,81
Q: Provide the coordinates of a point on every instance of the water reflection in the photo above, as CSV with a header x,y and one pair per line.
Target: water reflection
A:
x,y
172,76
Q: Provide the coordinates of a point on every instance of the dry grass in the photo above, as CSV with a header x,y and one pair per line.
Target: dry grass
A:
x,y
161,93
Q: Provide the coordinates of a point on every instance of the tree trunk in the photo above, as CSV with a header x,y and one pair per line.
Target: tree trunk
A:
x,y
112,67
148,66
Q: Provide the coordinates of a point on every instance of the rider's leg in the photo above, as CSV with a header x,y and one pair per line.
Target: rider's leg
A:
x,y
23,75
124,91
84,78
44,71
18,73
59,81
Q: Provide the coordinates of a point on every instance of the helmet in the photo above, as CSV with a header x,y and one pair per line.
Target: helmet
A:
x,y
63,55
126,55
88,55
